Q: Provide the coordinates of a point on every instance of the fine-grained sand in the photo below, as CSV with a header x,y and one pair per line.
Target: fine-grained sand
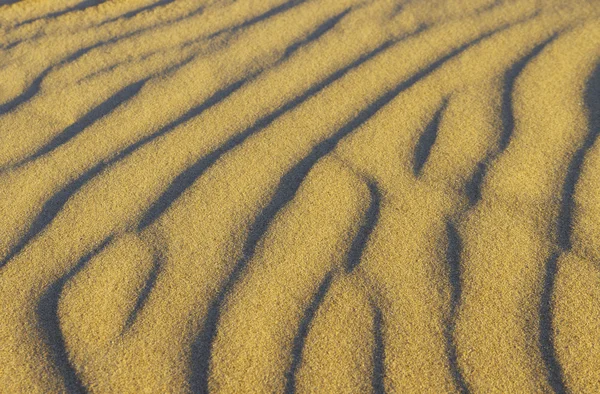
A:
x,y
312,196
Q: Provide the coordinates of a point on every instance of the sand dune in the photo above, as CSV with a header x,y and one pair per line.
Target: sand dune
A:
x,y
329,196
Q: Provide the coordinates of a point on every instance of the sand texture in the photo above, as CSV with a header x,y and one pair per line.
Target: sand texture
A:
x,y
300,196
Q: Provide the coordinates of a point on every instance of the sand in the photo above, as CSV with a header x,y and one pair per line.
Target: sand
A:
x,y
311,196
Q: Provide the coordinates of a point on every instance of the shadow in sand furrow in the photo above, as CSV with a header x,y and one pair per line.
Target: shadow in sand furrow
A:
x,y
184,180
104,70
130,14
79,7
156,73
284,193
427,139
260,18
368,225
489,7
453,253
564,231
49,210
160,23
189,176
507,113
507,117
34,87
291,180
313,36
54,205
301,335
473,185
47,311
473,192
377,382
149,7
95,114
547,349
565,219
145,292
27,94
12,44
316,34
135,12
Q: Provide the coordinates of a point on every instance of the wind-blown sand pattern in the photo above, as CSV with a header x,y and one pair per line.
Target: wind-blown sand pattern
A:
x,y
329,196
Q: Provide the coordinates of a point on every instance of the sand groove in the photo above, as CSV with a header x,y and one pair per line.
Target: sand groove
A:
x,y
225,196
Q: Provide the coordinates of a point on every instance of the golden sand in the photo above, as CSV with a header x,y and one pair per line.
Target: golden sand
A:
x,y
312,196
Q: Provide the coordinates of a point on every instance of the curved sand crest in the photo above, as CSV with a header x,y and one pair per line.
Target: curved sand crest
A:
x,y
299,196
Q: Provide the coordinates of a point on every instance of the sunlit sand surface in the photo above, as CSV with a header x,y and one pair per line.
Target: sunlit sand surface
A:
x,y
311,196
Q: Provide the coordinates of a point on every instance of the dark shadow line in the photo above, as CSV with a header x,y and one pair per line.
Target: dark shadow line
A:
x,y
132,13
13,44
145,292
49,323
49,210
565,218
165,70
189,175
26,95
54,205
159,3
79,7
285,191
216,98
322,29
130,34
377,379
507,117
427,139
95,114
259,18
197,11
489,7
510,78
369,221
547,348
291,180
473,185
104,70
184,180
398,8
302,333
202,346
453,253
473,191
316,34
564,232
34,87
